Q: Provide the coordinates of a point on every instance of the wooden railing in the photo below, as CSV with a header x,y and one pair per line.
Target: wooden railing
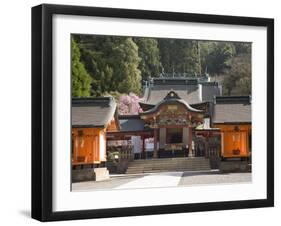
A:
x,y
120,153
126,152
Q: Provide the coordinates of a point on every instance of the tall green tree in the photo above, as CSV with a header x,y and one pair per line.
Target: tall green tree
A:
x,y
242,48
219,58
180,56
95,51
118,64
205,48
125,61
148,51
112,63
81,80
237,80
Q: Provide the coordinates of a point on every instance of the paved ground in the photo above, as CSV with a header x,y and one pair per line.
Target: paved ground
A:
x,y
165,179
214,177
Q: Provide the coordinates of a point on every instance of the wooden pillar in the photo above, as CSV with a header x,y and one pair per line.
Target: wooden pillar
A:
x,y
207,154
143,148
155,136
222,143
162,138
190,153
76,149
185,136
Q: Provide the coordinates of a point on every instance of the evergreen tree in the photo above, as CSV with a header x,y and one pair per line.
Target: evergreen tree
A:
x,y
81,80
220,57
113,64
205,48
150,57
180,56
125,61
238,78
94,54
242,48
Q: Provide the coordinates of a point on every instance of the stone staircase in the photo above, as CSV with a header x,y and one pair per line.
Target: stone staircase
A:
x,y
168,164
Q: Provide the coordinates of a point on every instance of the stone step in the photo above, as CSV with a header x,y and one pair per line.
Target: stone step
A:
x,y
174,165
168,164
160,171
172,168
171,164
155,171
168,167
161,167
186,162
170,159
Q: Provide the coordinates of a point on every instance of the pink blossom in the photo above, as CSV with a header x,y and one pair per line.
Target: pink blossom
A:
x,y
129,104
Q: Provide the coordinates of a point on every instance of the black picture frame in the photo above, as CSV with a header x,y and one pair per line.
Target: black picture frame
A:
x,y
42,111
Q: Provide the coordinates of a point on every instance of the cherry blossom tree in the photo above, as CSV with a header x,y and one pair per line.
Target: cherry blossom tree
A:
x,y
129,104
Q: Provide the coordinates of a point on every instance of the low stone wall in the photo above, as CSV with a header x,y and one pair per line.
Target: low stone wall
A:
x,y
90,174
234,166
214,162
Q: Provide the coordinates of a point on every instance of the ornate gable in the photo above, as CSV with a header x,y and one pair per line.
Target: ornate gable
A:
x,y
172,95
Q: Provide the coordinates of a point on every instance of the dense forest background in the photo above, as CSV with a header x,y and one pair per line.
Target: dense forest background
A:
x,y
114,65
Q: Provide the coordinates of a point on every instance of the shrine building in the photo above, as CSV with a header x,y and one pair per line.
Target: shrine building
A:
x,y
186,117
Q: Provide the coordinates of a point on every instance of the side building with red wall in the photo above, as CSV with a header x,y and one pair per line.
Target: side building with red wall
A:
x,y
92,118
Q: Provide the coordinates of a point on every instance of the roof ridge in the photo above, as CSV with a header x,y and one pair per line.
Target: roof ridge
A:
x,y
129,116
86,101
232,99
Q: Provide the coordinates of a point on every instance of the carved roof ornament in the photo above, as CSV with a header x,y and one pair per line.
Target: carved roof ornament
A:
x,y
172,95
